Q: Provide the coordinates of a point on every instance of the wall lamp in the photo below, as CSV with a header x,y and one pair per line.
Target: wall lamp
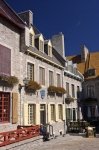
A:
x,y
25,81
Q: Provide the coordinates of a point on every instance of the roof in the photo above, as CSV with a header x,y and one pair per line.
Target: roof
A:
x,y
10,14
92,62
54,59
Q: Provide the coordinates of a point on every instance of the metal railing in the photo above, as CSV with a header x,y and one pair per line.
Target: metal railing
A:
x,y
10,137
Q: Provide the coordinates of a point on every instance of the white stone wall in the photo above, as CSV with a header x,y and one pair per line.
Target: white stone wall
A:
x,y
10,37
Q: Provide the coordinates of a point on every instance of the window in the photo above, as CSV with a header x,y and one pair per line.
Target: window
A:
x,y
5,60
30,71
74,114
78,92
4,107
50,51
91,72
69,114
53,112
58,80
41,46
31,39
60,111
51,78
90,91
42,76
73,90
31,113
67,88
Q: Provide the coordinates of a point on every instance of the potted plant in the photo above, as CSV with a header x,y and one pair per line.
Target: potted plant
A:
x,y
9,81
32,86
69,99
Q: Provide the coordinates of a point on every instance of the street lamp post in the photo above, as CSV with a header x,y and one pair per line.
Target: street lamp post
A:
x,y
25,81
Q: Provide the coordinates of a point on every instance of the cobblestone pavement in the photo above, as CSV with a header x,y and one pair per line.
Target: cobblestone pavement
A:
x,y
69,142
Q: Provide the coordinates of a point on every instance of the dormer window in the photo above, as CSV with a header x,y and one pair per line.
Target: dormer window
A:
x,y
48,48
39,42
31,39
41,45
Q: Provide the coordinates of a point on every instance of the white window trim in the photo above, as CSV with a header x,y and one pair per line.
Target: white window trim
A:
x,y
32,62
39,74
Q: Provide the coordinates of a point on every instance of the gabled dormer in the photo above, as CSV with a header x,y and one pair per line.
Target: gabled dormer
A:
x,y
31,37
48,47
39,42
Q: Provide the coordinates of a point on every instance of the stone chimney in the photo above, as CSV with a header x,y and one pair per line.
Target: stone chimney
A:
x,y
58,43
27,16
84,53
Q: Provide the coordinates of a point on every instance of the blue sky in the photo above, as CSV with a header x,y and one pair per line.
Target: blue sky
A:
x,y
78,20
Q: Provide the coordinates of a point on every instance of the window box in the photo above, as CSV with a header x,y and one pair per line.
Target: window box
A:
x,y
32,86
57,90
8,81
69,99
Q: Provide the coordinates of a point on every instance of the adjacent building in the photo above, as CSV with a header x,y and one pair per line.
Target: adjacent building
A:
x,y
88,65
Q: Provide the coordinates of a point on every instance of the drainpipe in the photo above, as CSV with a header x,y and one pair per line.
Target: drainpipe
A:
x,y
64,102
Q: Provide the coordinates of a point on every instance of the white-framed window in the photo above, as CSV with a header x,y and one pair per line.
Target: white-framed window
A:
x,y
67,88
30,71
31,39
51,78
41,45
42,75
49,50
52,112
60,110
78,92
58,80
90,91
31,113
73,90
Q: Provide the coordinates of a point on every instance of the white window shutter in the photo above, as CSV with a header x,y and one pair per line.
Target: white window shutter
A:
x,y
25,114
49,113
56,112
64,113
37,114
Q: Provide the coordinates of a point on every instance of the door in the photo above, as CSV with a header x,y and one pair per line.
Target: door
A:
x,y
42,114
4,107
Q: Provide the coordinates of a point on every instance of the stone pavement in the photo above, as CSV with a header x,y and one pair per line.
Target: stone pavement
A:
x,y
69,142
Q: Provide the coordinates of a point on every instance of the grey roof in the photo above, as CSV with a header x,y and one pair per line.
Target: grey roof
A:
x,y
55,58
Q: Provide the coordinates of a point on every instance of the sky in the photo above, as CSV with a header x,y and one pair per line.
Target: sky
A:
x,y
78,20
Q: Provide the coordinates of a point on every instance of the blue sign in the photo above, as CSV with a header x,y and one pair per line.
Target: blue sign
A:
x,y
42,92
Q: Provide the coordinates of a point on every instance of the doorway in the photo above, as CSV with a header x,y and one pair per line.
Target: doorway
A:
x,y
42,114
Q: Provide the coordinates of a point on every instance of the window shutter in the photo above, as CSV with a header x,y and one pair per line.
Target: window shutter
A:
x,y
57,112
38,114
49,113
14,108
25,114
64,113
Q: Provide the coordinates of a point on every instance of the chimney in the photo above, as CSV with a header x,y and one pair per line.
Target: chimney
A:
x,y
27,16
84,53
58,43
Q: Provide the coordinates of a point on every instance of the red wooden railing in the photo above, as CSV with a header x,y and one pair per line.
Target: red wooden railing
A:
x,y
10,137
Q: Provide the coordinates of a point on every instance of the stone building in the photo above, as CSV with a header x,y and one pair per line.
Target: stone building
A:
x,y
88,65
33,74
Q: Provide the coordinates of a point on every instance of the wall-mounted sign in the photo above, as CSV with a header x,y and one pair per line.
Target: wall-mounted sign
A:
x,y
42,92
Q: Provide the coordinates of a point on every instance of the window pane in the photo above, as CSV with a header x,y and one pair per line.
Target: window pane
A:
x,y
31,39
51,80
60,111
58,80
42,76
53,112
41,48
73,90
30,71
67,88
31,113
